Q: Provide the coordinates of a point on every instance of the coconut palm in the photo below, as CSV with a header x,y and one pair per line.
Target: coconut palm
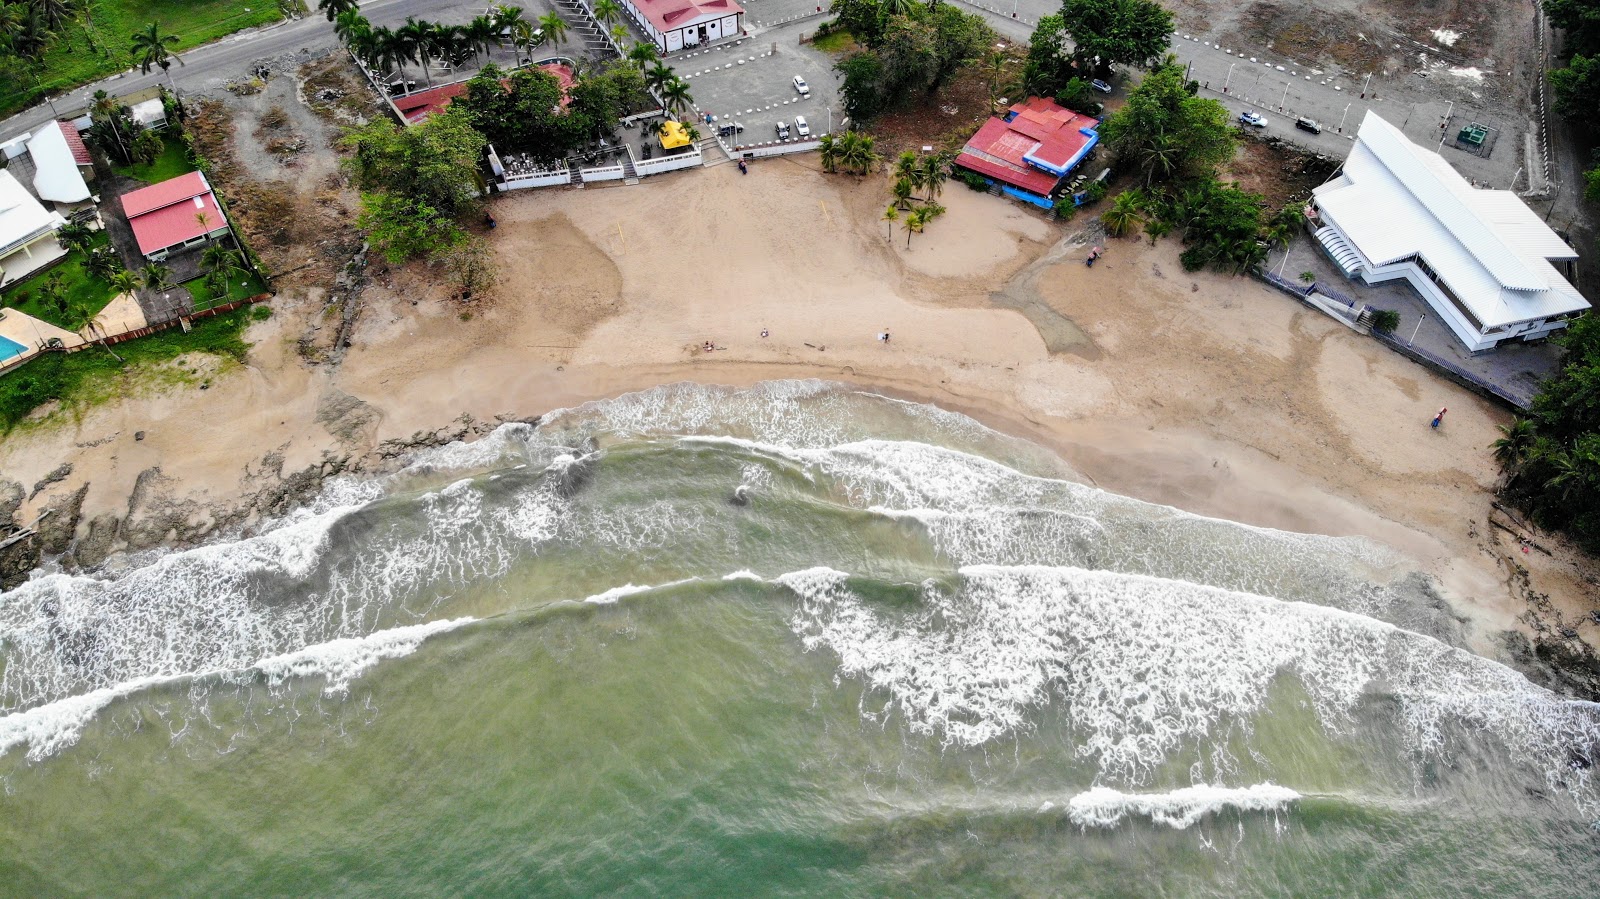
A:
x,y
891,215
123,281
934,170
1511,450
417,39
349,24
619,33
74,237
333,8
675,94
525,36
659,76
554,28
915,219
507,17
151,48
156,277
83,321
1124,214
481,33
607,11
643,54
905,169
902,192
102,263
856,153
828,147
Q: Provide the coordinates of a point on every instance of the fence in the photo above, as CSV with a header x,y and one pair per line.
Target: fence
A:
x,y
1468,380
603,173
758,151
542,179
669,163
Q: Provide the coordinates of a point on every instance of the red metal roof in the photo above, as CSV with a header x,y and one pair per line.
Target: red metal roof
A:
x,y
166,214
80,153
175,190
1042,129
669,14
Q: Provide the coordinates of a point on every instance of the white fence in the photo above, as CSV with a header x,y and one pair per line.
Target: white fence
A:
x,y
553,178
603,173
757,151
668,163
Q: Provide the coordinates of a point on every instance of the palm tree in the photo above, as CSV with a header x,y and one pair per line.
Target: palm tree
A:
x,y
123,281
607,11
156,277
525,36
898,7
150,48
905,169
507,17
643,55
1156,227
349,25
934,171
891,215
418,40
102,263
554,27
828,146
391,50
902,192
221,264
83,320
1511,450
914,221
481,33
619,32
333,8
659,77
74,237
856,153
1123,215
676,95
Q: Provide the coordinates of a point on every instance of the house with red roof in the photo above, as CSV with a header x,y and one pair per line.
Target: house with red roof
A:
x,y
174,215
1030,149
676,24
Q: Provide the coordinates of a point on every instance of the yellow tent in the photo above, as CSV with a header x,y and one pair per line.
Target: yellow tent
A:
x,y
674,136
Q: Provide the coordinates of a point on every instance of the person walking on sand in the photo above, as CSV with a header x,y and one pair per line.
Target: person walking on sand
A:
x,y
1439,418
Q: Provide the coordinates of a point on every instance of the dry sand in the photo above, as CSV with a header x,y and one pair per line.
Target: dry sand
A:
x,y
1212,394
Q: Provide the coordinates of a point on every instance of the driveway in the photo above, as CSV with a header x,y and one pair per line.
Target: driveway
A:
x,y
752,81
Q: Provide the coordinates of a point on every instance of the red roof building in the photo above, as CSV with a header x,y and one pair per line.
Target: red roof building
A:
x,y
80,153
175,214
1030,149
676,24
418,106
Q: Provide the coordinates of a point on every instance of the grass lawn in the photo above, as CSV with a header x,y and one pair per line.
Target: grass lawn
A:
x,y
83,290
91,376
837,42
82,54
173,161
238,289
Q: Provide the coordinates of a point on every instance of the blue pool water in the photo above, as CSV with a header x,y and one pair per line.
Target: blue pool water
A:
x,y
9,348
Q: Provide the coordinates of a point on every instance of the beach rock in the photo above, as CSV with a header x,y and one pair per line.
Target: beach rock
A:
x,y
56,529
60,474
17,560
345,417
11,494
95,546
1565,666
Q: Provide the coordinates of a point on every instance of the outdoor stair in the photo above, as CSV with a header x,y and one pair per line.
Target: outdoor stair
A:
x,y
575,177
630,175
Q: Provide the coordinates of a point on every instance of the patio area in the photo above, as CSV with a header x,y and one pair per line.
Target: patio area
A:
x,y
1514,369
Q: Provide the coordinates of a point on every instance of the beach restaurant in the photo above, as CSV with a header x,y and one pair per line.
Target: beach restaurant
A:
x,y
1030,149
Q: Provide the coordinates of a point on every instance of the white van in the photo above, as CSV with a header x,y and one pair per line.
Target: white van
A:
x,y
800,126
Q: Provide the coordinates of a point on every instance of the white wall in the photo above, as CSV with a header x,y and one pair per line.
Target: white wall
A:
x,y
777,149
668,164
552,179
606,173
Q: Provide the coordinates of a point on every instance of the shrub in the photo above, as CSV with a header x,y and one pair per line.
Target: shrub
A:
x,y
972,179
1066,207
1385,320
1094,193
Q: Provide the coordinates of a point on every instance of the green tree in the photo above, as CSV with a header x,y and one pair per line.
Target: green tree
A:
x,y
436,162
1166,133
123,281
1125,212
677,97
156,277
828,149
607,11
891,215
864,19
1577,90
643,55
470,263
958,39
902,192
933,171
1580,19
861,89
151,48
406,227
333,8
1117,32
75,237
554,28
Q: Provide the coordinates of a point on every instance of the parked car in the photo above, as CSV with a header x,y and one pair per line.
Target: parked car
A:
x,y
783,131
1253,119
801,86
800,126
1305,124
1100,86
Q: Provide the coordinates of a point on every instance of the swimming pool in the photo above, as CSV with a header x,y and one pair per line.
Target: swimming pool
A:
x,y
9,348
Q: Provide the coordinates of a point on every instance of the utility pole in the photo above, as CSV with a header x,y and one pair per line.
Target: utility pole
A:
x,y
1341,117
1416,329
1229,78
1364,86
1285,98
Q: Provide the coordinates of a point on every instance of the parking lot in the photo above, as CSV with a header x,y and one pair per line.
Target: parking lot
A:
x,y
752,81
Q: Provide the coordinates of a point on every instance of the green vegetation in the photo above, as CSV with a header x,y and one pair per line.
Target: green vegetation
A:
x,y
242,285
1167,133
92,375
417,183
58,294
836,41
173,161
1551,457
1087,38
851,150
911,49
1385,320
94,38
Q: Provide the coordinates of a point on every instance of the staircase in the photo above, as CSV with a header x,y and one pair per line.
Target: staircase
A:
x,y
573,176
597,43
630,175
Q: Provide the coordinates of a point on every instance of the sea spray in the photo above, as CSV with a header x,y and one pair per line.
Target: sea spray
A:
x,y
1178,809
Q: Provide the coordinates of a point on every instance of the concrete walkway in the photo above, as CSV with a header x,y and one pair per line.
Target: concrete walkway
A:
x,y
1516,368
32,333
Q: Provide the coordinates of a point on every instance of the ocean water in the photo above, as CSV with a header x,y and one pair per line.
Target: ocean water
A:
x,y
795,639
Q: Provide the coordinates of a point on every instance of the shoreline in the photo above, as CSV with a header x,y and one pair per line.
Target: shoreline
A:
x,y
1209,394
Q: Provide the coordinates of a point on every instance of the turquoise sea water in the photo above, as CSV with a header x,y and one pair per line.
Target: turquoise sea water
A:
x,y
795,639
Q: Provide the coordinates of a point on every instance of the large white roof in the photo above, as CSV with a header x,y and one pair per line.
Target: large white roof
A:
x,y
56,177
1396,199
21,216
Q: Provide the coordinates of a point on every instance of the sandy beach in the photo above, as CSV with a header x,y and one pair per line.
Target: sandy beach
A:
x,y
1213,394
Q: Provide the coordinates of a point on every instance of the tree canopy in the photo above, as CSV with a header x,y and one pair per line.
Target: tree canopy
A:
x,y
1577,90
911,48
1167,133
1580,19
416,182
1119,32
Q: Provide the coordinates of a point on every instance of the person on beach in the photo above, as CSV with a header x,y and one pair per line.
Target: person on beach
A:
x,y
763,332
1439,418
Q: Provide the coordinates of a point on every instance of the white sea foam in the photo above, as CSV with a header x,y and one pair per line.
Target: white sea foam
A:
x,y
50,728
610,597
1182,808
1148,666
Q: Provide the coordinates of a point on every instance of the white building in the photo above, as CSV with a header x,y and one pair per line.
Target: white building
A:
x,y
676,24
61,162
27,231
1481,258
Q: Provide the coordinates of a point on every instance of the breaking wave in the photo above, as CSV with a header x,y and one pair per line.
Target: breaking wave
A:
x,y
1178,809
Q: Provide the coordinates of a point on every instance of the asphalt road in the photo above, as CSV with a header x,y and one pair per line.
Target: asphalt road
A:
x,y
224,60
